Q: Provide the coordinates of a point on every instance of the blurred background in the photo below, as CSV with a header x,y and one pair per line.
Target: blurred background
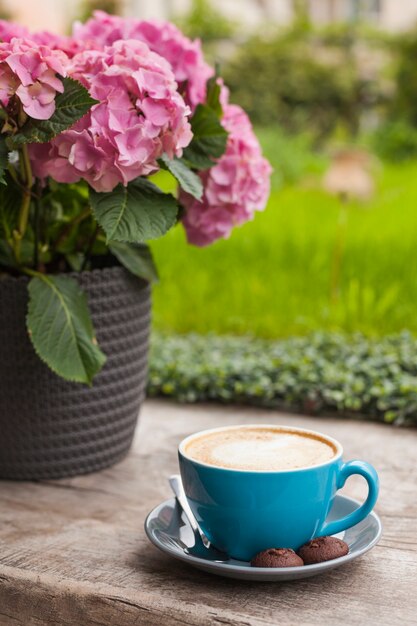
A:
x,y
331,87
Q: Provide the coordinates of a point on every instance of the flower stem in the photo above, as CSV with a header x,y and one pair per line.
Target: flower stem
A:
x,y
36,233
90,248
27,178
68,228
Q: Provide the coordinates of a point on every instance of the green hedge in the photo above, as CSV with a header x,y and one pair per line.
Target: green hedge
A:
x,y
322,373
205,22
396,141
301,79
403,105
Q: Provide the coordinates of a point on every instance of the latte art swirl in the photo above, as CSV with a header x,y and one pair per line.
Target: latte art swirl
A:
x,y
260,449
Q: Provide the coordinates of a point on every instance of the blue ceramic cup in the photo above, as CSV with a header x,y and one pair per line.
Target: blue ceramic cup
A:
x,y
245,511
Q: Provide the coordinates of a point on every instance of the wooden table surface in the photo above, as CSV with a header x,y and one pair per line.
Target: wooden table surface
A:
x,y
74,551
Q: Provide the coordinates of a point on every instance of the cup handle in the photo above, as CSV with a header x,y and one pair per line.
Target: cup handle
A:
x,y
369,473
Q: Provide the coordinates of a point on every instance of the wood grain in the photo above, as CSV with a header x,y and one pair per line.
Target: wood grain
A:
x,y
74,552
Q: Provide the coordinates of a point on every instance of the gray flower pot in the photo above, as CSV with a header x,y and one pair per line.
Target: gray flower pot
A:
x,y
50,428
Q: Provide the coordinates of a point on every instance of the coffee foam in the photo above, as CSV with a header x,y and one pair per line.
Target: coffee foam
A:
x,y
260,449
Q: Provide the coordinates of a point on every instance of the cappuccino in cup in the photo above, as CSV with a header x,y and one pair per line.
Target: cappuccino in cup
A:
x,y
256,486
261,448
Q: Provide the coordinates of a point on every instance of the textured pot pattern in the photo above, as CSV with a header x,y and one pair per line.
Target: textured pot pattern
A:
x,y
50,428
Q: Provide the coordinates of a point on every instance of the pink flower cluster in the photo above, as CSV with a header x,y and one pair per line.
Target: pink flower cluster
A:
x,y
30,72
147,78
139,116
236,187
185,56
69,45
11,30
239,183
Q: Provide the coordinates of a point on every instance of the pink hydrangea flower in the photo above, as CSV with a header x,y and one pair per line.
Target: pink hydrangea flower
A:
x,y
236,187
139,116
30,72
69,45
11,30
185,56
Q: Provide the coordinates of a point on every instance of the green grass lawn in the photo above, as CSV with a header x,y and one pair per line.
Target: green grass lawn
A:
x,y
272,277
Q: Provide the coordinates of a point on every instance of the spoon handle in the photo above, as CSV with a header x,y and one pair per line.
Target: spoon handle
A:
x,y
178,489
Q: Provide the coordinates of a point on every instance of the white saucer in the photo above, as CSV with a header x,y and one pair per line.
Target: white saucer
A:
x,y
168,529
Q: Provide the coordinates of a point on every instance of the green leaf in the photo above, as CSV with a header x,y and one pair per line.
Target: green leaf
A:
x,y
137,258
8,259
187,179
75,260
6,255
10,198
134,213
71,105
213,90
4,158
61,330
209,139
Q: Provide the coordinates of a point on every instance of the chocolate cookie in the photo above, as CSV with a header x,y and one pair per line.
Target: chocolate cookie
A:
x,y
322,549
276,557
